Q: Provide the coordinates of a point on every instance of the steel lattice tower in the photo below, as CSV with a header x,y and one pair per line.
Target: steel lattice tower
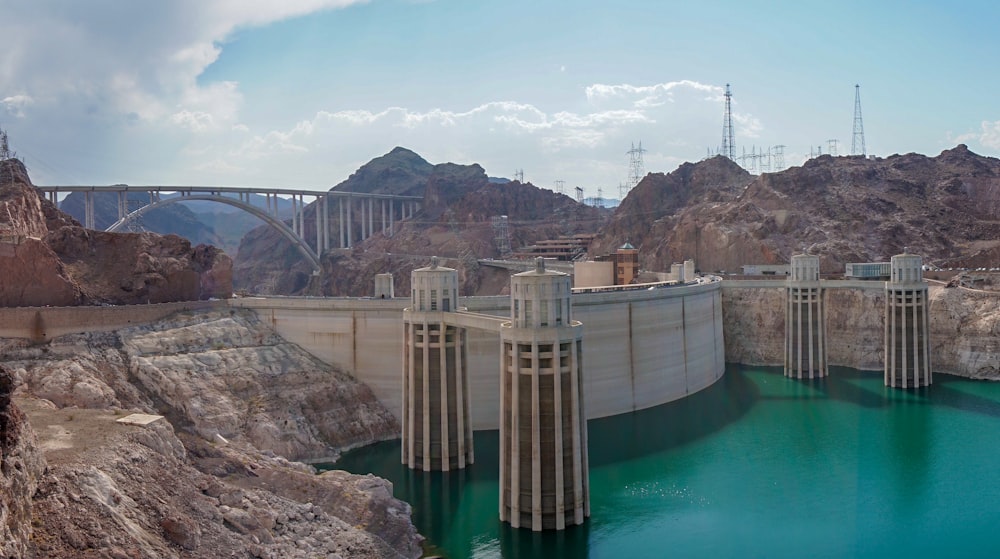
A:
x,y
728,143
858,143
636,170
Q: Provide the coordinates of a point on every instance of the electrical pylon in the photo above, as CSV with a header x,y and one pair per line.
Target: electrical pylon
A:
x,y
858,143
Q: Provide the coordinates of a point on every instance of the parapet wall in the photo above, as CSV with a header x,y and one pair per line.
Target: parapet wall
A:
x,y
41,324
640,348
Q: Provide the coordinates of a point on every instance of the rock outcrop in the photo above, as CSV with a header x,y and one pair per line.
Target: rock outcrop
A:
x,y
48,259
845,209
243,402
964,328
454,222
21,467
211,373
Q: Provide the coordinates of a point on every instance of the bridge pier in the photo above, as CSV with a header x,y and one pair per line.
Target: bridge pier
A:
x,y
436,429
907,351
805,320
544,481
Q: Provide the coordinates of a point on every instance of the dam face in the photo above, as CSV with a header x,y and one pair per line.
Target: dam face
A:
x,y
642,347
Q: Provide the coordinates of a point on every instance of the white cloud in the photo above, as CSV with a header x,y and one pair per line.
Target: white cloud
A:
x,y
581,147
15,104
989,136
140,59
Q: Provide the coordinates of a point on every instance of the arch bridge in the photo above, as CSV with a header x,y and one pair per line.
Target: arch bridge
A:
x,y
391,207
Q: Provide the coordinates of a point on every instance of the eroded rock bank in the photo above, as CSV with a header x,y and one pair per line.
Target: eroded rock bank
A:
x,y
964,328
21,467
214,477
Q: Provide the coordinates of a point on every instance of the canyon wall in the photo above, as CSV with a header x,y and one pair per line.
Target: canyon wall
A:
x,y
964,327
211,479
21,467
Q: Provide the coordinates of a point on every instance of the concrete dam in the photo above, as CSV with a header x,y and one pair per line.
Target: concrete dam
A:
x,y
642,347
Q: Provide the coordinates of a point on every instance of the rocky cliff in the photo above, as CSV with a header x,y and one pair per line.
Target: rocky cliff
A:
x,y
21,468
213,478
454,222
845,209
48,259
964,328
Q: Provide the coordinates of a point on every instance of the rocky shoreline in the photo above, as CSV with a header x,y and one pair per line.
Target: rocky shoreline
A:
x,y
217,476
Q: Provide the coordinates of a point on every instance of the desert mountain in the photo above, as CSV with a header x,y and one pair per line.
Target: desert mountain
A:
x,y
845,209
454,223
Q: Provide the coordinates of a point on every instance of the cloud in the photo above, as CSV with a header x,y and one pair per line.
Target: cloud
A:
x,y
989,135
585,147
15,104
132,58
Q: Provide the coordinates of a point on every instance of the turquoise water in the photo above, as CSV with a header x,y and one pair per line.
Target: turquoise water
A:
x,y
755,466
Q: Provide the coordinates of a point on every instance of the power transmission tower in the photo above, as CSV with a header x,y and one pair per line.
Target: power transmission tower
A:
x,y
831,147
559,187
636,169
519,176
858,143
728,143
501,235
5,152
779,157
579,194
599,201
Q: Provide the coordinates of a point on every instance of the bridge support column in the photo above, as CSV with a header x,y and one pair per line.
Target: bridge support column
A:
x,y
88,209
805,320
371,217
340,205
544,480
350,210
392,211
381,204
361,231
295,216
907,350
302,218
325,205
436,429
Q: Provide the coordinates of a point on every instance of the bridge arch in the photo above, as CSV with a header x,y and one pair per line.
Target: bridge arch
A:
x,y
274,222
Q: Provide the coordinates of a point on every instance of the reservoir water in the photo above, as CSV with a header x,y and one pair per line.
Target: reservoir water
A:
x,y
756,465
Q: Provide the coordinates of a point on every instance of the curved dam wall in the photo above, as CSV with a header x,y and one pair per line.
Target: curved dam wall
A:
x,y
640,348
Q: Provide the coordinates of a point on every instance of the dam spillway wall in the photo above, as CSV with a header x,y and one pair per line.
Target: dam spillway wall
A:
x,y
641,348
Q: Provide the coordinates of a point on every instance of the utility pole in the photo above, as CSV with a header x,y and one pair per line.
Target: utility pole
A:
x,y
858,142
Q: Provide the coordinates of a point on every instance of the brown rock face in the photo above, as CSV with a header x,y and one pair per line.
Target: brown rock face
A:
x,y
846,209
453,223
48,259
21,466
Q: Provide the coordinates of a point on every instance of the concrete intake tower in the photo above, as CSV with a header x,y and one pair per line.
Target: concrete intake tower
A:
x,y
805,324
907,353
437,431
543,429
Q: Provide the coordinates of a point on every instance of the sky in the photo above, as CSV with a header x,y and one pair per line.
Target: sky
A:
x,y
300,93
